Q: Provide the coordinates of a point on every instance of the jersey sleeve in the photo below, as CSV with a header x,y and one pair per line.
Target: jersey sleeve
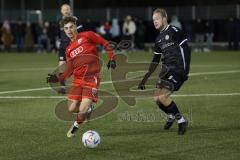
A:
x,y
179,36
156,58
96,38
80,27
157,49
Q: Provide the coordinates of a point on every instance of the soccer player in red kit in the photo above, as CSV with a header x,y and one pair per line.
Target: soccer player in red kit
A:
x,y
82,61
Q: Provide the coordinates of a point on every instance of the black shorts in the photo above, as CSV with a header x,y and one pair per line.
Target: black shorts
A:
x,y
171,80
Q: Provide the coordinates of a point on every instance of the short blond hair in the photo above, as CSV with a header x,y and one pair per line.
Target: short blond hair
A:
x,y
65,5
161,11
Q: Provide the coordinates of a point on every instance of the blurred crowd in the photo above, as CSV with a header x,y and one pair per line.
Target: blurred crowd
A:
x,y
24,36
44,37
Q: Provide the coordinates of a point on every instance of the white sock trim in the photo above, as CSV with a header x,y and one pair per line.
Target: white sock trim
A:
x,y
181,120
89,110
76,124
171,116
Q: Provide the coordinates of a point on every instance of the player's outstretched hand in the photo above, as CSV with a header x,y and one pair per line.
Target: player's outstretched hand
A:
x,y
141,86
111,64
52,78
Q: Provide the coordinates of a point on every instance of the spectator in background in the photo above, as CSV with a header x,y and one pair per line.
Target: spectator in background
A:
x,y
39,30
53,34
115,31
101,30
199,35
6,37
233,33
237,33
43,40
28,38
188,27
19,33
107,26
140,35
209,36
175,22
45,36
129,29
104,30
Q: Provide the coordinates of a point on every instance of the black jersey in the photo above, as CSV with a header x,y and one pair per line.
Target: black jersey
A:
x,y
172,45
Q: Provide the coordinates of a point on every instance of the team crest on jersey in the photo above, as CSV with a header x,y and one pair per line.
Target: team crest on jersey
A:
x,y
80,41
167,37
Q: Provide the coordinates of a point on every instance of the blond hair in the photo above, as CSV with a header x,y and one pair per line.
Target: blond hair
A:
x,y
65,5
161,11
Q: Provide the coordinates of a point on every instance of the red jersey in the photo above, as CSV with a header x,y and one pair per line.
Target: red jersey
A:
x,y
82,59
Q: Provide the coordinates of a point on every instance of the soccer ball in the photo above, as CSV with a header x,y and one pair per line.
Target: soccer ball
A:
x,y
91,139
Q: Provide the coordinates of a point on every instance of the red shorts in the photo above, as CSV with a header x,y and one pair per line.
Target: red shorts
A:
x,y
84,88
79,92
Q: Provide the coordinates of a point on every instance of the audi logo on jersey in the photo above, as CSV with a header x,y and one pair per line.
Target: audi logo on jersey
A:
x,y
76,51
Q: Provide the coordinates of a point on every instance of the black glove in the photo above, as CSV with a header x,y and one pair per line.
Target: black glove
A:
x,y
111,64
141,86
52,78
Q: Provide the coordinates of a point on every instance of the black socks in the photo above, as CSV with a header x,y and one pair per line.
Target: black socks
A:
x,y
171,109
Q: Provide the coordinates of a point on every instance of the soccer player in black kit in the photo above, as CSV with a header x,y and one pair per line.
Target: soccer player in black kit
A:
x,y
64,42
171,45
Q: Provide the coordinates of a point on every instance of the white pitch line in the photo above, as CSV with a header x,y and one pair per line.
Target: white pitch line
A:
x,y
38,89
25,69
217,72
109,82
52,68
32,97
139,97
206,94
190,74
209,65
26,90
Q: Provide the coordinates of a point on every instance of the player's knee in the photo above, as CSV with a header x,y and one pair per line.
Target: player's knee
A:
x,y
161,98
73,109
156,99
